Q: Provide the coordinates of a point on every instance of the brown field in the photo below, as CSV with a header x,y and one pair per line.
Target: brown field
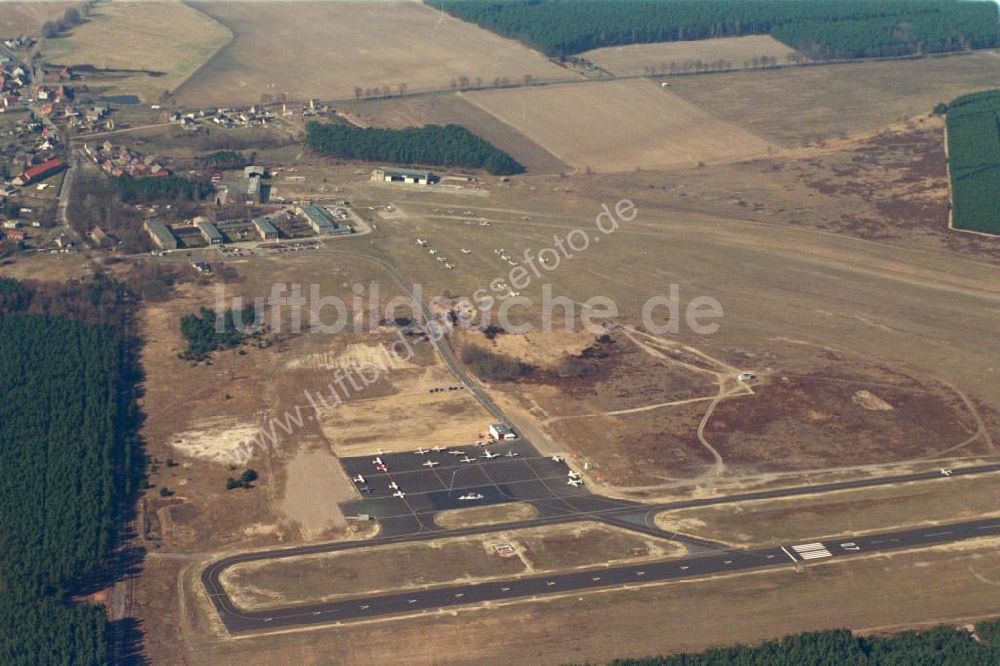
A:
x,y
636,59
485,515
792,105
166,39
328,576
842,513
325,49
609,126
444,109
27,17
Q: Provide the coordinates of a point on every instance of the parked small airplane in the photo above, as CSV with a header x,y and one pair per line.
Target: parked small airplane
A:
x,y
421,452
359,479
399,493
471,496
437,449
394,485
946,472
466,251
573,475
467,459
377,461
489,455
576,483
382,468
512,454
431,463
456,452
557,458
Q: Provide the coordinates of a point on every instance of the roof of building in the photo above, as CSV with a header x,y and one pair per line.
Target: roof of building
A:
x,y
318,216
209,230
42,169
160,231
413,173
264,225
502,428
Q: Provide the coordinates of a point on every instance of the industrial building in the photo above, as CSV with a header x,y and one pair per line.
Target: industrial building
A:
x,y
162,237
265,229
209,231
321,221
412,176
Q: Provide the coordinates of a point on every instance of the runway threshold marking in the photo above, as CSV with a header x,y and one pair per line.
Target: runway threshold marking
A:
x,y
790,556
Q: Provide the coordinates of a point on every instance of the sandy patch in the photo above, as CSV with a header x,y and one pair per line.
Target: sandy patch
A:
x,y
222,440
315,484
357,355
868,400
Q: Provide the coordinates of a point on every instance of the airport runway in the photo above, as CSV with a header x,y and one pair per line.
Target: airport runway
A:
x,y
428,600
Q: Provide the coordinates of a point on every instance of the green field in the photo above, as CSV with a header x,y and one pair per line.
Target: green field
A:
x,y
974,161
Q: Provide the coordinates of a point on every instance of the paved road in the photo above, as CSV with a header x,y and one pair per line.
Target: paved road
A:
x,y
424,600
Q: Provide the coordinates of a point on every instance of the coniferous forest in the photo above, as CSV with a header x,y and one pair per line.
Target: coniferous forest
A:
x,y
69,465
974,161
941,645
821,29
434,145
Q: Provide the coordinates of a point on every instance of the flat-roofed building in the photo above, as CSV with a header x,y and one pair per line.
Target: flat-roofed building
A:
x,y
209,231
162,237
265,229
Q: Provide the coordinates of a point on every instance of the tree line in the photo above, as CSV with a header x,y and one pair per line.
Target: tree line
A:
x,y
206,333
72,17
436,145
941,645
974,160
165,188
821,29
70,463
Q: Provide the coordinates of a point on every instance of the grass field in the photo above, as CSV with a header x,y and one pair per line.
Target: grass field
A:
x,y
327,576
794,104
27,17
167,40
325,49
636,59
442,109
619,125
850,512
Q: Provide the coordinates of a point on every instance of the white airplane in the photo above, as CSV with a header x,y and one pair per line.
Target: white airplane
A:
x,y
378,461
489,455
421,452
946,472
576,483
359,479
467,459
431,463
421,242
433,251
399,493
573,475
465,251
437,449
456,452
394,485
557,458
471,496
448,266
512,454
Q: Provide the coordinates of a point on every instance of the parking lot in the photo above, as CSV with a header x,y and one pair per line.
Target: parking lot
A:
x,y
461,477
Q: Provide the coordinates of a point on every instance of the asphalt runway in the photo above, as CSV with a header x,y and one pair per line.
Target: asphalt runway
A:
x,y
427,600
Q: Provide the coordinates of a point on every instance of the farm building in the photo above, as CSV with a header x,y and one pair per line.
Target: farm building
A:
x,y
209,231
254,172
162,237
502,431
39,172
413,176
265,229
